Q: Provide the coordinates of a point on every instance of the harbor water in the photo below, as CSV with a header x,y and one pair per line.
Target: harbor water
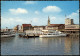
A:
x,y
40,46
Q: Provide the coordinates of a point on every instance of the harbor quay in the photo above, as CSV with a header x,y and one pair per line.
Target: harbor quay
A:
x,y
32,33
69,28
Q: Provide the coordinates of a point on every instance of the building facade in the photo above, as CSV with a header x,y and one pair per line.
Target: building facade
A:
x,y
58,27
70,27
39,28
25,27
69,21
16,28
76,26
54,26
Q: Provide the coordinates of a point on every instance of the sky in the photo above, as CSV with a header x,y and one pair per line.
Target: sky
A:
x,y
36,12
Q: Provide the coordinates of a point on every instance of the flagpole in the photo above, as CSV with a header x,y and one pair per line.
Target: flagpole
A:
x,y
65,15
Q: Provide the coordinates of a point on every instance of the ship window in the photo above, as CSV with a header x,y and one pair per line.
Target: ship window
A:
x,y
49,34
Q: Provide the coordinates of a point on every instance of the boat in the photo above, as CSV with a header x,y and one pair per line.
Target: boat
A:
x,y
21,34
52,33
7,34
30,33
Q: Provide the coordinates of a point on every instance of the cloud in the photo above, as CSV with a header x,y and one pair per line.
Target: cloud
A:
x,y
35,20
78,10
75,16
30,2
39,21
36,12
51,9
18,11
53,18
11,22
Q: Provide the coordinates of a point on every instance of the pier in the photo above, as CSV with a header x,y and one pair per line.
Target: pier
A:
x,y
73,33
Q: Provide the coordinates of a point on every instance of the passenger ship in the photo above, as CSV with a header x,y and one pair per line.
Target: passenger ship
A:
x,y
52,33
7,34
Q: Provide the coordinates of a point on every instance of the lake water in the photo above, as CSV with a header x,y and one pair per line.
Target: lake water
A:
x,y
40,46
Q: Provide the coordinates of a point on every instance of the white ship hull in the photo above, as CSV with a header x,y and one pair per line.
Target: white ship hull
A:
x,y
7,35
53,35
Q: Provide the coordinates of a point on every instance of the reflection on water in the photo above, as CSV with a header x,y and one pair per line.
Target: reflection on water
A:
x,y
67,45
40,46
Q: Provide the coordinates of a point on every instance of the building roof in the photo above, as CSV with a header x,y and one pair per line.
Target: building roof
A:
x,y
38,26
56,25
26,25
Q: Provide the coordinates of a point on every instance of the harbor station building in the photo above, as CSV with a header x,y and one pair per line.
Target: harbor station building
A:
x,y
58,27
69,26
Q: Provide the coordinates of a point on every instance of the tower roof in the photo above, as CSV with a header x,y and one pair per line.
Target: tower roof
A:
x,y
48,18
